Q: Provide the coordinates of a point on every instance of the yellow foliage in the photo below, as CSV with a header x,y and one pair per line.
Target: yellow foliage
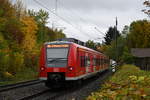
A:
x,y
103,48
29,29
8,75
134,86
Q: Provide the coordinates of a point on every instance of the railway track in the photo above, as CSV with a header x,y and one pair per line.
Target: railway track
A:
x,y
18,85
23,91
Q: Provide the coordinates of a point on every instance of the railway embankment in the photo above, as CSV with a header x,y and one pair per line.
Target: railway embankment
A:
x,y
128,83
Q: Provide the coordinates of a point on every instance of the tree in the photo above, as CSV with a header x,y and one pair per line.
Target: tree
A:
x,y
91,44
112,50
19,9
10,26
139,35
127,57
125,31
41,18
29,29
146,3
110,35
45,33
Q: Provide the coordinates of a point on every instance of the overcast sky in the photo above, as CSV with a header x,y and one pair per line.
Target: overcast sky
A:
x,y
78,18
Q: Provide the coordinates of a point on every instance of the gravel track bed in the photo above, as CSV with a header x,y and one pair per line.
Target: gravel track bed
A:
x,y
76,92
85,90
72,93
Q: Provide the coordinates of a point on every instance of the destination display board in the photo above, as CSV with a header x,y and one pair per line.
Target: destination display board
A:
x,y
58,46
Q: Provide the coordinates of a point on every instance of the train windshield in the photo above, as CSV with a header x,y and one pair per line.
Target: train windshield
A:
x,y
57,57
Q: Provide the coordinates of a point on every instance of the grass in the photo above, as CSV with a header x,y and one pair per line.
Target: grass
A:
x,y
128,83
25,75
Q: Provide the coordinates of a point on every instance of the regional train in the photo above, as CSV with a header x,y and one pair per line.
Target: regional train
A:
x,y
64,61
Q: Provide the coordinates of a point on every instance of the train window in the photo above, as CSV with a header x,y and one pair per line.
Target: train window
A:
x,y
102,61
97,62
57,57
94,61
88,62
82,60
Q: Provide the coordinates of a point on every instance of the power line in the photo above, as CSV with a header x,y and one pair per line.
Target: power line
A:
x,y
99,31
73,13
39,3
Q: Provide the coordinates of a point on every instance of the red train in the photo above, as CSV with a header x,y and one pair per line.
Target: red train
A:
x,y
63,61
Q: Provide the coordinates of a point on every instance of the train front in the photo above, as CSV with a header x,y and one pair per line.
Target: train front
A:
x,y
54,63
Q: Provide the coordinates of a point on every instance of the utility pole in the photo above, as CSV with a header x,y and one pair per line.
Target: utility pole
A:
x,y
116,39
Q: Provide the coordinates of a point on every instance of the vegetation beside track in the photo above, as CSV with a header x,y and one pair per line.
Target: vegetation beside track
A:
x,y
128,83
24,75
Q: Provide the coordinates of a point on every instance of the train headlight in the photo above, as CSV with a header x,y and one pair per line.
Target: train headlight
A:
x,y
70,68
42,68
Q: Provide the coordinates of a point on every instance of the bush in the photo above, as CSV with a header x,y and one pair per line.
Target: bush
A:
x,y
129,83
127,56
16,62
31,59
4,63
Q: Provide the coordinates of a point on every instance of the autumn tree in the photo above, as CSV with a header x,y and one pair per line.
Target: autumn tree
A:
x,y
11,38
10,26
29,30
111,35
20,10
139,35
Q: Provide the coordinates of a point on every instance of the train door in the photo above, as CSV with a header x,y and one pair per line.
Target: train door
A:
x,y
88,67
81,62
94,63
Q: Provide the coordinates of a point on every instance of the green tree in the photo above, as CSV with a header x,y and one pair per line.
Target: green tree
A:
x,y
110,35
127,56
112,50
45,33
125,31
41,17
91,44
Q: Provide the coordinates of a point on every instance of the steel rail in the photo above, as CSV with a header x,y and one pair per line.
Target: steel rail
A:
x,y
19,85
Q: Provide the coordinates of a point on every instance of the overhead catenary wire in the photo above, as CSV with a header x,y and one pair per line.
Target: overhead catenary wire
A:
x,y
99,31
81,19
42,5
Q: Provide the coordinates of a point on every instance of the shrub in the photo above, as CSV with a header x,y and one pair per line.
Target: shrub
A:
x,y
4,63
31,59
129,83
16,62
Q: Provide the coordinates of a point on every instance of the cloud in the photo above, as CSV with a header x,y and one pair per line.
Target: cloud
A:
x,y
84,15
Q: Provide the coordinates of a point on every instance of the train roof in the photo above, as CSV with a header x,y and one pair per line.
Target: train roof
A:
x,y
77,45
